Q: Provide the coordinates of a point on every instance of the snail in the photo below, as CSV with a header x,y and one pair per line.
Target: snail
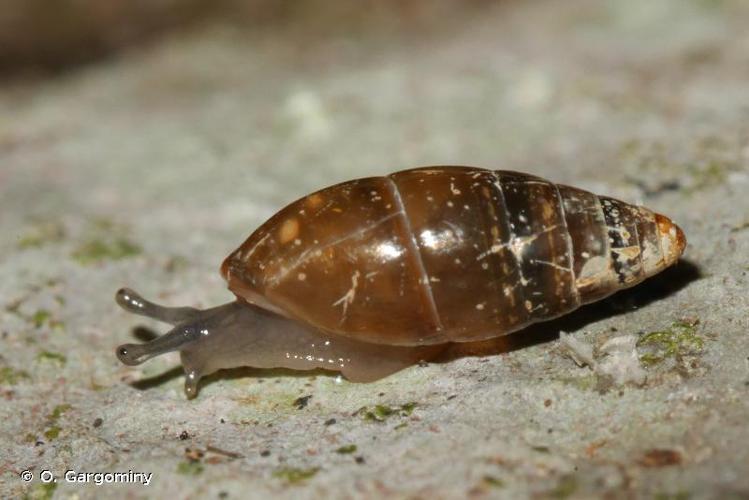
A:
x,y
372,275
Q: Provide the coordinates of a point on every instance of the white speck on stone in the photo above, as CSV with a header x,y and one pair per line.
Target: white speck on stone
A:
x,y
581,352
621,361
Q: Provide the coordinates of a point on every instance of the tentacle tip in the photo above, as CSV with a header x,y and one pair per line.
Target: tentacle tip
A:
x,y
123,296
129,354
192,379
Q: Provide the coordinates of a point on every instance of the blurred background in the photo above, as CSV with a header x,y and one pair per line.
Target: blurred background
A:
x,y
141,141
42,38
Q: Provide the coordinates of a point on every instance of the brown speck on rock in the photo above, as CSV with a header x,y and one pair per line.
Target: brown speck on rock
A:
x,y
265,453
658,457
329,422
359,460
184,435
97,422
547,403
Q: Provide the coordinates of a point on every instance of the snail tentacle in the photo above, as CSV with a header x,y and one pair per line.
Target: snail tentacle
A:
x,y
133,302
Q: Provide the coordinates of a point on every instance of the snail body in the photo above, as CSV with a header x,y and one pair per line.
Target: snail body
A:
x,y
371,275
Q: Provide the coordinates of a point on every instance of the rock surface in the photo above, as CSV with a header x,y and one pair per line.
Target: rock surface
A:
x,y
147,170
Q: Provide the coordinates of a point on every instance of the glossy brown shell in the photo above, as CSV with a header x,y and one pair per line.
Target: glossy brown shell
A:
x,y
445,254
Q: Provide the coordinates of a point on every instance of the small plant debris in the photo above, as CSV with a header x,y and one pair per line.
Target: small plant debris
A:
x,y
295,475
220,451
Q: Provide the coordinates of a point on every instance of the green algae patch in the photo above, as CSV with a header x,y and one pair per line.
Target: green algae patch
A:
x,y
41,492
41,233
11,376
680,339
680,495
54,357
52,432
40,317
190,468
99,250
106,240
584,383
295,475
657,168
565,488
345,450
381,412
492,481
407,409
57,412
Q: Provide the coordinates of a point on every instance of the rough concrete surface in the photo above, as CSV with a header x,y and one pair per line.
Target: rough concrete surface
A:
x,y
148,169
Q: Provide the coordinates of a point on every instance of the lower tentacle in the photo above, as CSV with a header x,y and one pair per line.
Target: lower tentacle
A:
x,y
176,339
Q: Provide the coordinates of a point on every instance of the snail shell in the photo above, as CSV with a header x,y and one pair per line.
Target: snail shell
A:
x,y
446,254
371,275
